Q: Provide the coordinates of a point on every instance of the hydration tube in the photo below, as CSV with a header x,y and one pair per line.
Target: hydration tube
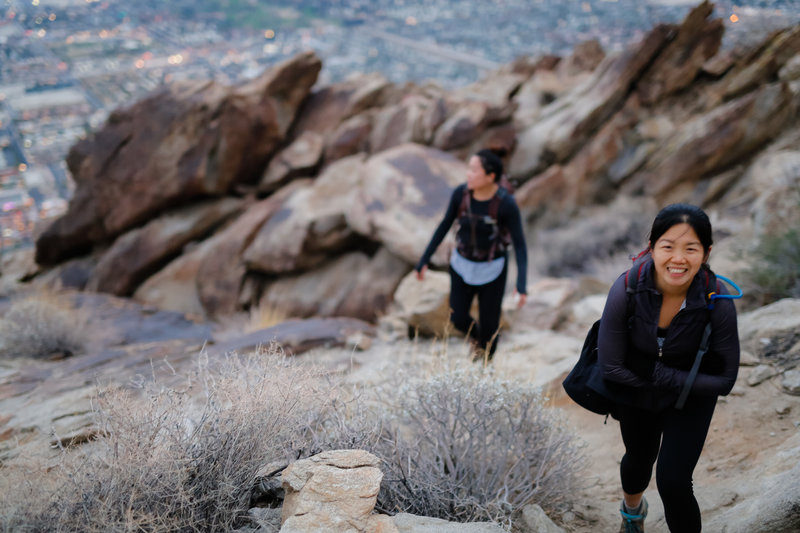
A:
x,y
714,296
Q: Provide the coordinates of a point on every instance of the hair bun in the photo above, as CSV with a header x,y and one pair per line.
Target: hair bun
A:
x,y
499,151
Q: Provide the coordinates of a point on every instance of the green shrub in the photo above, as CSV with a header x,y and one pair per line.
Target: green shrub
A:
x,y
774,267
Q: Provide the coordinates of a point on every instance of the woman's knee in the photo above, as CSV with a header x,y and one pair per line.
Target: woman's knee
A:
x,y
673,484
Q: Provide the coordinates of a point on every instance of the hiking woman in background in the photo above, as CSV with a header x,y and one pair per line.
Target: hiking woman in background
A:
x,y
649,337
487,215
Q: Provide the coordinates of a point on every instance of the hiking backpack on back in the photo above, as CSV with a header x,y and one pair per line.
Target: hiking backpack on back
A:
x,y
501,238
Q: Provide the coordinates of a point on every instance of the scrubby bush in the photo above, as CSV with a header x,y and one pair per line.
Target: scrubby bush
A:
x,y
177,458
42,325
465,445
461,445
774,267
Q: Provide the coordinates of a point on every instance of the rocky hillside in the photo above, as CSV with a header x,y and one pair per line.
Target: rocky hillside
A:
x,y
209,200
202,204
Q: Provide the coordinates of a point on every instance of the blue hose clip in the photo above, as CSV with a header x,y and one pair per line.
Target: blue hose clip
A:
x,y
713,296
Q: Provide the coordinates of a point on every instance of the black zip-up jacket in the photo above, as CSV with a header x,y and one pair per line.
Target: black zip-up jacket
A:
x,y
508,216
628,350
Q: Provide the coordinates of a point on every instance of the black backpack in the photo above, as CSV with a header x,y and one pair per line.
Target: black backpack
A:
x,y
585,384
501,236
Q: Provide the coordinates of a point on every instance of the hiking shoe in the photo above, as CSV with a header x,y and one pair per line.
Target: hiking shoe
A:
x,y
633,523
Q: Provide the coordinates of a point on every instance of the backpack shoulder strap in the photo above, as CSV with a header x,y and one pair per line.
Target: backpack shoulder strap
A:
x,y
463,208
632,278
494,204
635,272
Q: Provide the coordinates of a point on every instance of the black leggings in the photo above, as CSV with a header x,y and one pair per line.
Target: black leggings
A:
x,y
674,437
490,299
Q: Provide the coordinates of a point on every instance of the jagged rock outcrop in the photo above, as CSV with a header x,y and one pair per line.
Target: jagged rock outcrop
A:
x,y
186,141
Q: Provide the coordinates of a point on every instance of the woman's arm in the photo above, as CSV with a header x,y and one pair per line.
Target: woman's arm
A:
x,y
724,343
513,221
612,340
444,227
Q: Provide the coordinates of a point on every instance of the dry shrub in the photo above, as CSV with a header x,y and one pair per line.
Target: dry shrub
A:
x,y
593,240
264,316
179,458
461,444
41,325
464,445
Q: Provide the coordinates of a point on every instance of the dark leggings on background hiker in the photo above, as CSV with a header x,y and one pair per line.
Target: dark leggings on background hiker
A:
x,y
675,438
490,299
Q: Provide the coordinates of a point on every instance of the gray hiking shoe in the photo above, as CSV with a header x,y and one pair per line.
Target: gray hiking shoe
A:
x,y
633,523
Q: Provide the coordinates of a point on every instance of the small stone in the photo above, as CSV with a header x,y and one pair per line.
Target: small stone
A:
x,y
747,358
783,409
791,381
760,374
737,391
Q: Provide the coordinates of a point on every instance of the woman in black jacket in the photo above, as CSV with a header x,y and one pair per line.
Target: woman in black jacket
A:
x,y
648,340
486,213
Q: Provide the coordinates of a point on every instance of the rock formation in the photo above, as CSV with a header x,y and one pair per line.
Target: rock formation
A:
x,y
307,186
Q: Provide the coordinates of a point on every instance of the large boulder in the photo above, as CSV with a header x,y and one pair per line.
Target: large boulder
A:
x,y
424,305
770,332
139,253
351,137
408,121
770,503
353,285
775,177
206,280
403,196
311,224
301,158
327,107
187,140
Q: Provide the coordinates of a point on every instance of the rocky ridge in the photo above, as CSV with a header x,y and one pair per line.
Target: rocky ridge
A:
x,y
235,197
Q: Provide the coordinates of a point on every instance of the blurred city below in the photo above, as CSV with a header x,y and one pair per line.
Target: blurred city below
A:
x,y
66,64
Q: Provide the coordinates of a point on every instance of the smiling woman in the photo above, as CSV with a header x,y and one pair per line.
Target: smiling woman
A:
x,y
652,345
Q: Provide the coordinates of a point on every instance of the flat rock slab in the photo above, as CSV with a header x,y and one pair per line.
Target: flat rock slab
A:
x,y
118,321
297,336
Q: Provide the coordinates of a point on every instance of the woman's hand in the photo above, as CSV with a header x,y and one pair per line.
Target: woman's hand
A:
x,y
421,273
521,298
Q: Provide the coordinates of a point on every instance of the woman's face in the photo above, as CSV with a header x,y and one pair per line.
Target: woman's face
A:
x,y
677,256
477,178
